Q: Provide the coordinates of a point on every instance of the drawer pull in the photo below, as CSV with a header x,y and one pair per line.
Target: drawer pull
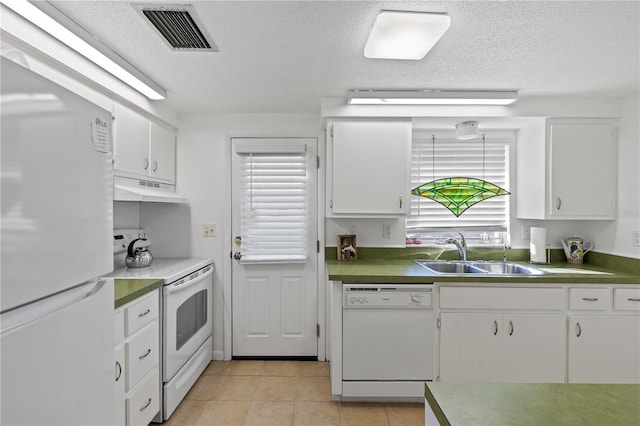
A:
x,y
578,329
495,328
146,405
590,299
118,370
633,299
144,313
146,354
510,328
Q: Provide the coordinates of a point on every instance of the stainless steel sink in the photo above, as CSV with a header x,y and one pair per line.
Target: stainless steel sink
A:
x,y
507,268
454,267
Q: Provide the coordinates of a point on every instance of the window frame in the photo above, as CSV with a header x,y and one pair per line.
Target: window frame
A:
x,y
479,236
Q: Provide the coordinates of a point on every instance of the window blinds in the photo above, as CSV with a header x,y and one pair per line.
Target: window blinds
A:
x,y
274,208
453,158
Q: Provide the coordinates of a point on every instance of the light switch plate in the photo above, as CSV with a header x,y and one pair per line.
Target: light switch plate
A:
x,y
208,230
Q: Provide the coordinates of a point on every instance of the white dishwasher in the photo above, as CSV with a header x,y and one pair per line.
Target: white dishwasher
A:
x,y
387,340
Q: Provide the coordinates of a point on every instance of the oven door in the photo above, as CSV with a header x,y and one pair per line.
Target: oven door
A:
x,y
187,319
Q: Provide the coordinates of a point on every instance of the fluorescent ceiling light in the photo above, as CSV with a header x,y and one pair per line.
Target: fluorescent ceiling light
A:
x,y
405,35
132,77
432,97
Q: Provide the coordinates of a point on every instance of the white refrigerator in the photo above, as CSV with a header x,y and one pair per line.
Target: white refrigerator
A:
x,y
56,317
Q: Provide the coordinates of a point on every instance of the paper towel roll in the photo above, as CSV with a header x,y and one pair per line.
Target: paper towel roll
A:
x,y
538,245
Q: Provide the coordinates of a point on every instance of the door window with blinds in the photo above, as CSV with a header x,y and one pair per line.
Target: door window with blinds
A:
x,y
274,208
434,157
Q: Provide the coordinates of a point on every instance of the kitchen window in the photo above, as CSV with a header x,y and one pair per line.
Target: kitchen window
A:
x,y
436,157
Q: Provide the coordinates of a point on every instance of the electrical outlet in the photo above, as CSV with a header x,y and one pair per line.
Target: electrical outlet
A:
x,y
386,230
526,233
635,238
208,230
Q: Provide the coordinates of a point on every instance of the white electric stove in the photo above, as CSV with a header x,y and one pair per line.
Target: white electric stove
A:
x,y
186,311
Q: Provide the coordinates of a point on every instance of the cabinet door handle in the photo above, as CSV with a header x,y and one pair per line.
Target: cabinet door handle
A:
x,y
590,299
633,299
145,354
146,405
118,370
510,328
495,327
155,165
558,203
146,163
400,201
144,313
578,329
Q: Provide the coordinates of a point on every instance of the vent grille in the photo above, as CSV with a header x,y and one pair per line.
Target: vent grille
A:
x,y
178,25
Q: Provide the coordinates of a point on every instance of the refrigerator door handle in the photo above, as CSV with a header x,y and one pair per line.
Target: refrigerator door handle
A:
x,y
24,315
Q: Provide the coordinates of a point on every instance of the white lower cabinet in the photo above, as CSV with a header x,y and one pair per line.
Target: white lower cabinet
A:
x,y
604,349
137,329
534,348
586,333
494,347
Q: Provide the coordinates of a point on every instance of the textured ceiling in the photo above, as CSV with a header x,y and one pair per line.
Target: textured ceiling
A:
x,y
283,56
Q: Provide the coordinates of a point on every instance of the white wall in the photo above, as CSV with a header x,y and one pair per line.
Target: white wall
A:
x,y
203,176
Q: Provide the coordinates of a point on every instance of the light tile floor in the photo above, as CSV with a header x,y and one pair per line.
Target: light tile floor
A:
x,y
280,393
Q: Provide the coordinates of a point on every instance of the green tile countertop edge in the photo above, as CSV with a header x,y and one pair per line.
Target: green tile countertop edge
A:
x,y
128,290
534,403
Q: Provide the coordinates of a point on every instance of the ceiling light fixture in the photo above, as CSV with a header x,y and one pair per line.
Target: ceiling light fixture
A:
x,y
120,69
431,97
405,35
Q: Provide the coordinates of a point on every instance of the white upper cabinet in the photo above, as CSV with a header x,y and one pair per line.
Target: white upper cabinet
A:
x,y
131,142
570,173
162,149
143,149
368,170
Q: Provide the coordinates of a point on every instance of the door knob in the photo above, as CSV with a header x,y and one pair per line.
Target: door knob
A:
x,y
237,255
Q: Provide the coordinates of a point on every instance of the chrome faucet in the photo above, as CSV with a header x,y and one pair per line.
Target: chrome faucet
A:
x,y
460,245
504,253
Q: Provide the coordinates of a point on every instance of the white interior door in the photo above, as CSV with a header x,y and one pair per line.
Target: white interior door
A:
x,y
275,231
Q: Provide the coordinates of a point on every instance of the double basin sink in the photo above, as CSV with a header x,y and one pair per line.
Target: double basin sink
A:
x,y
460,267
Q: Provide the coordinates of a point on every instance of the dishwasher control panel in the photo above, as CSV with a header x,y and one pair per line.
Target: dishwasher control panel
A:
x,y
387,296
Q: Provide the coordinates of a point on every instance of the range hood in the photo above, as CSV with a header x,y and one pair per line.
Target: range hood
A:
x,y
128,189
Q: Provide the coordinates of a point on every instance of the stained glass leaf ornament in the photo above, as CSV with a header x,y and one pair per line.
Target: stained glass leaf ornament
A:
x,y
458,193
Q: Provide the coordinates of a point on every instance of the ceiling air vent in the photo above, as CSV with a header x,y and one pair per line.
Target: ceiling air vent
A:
x,y
179,26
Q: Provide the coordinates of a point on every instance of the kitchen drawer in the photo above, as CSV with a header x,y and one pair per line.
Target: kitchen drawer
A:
x,y
142,353
144,403
119,326
626,299
592,299
142,312
502,298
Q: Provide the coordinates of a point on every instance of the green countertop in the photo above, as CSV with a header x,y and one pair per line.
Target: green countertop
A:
x,y
497,404
128,290
377,270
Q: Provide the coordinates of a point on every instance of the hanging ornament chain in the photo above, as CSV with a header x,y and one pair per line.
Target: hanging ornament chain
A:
x,y
433,157
483,157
